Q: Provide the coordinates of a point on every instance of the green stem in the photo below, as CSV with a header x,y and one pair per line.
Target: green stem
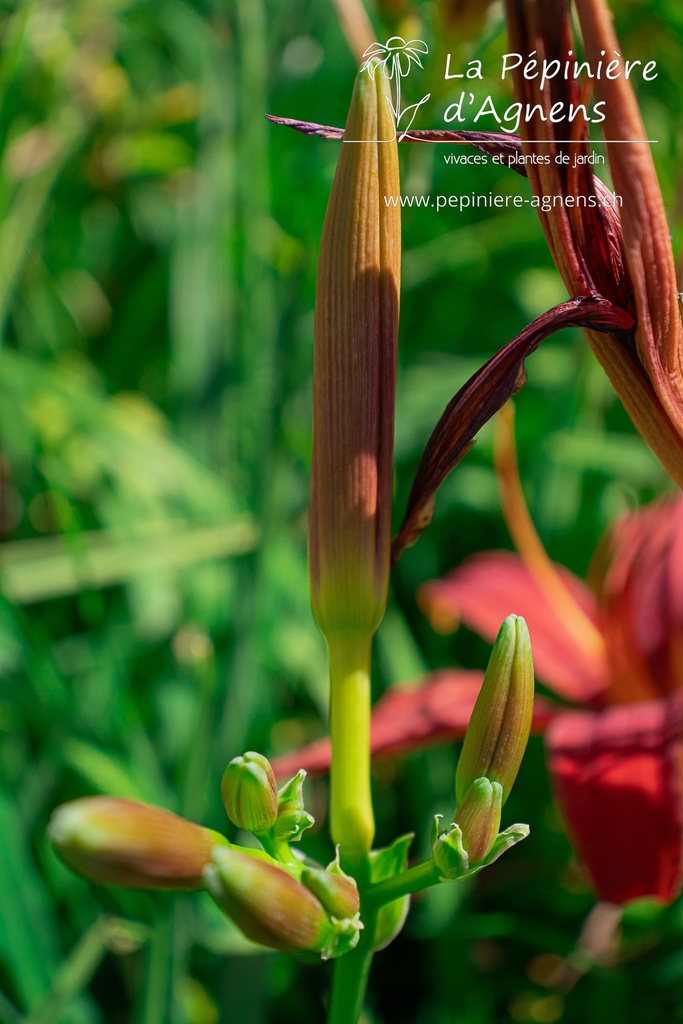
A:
x,y
277,849
349,982
413,880
352,822
351,972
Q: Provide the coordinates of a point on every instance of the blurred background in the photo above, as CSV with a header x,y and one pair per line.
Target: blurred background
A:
x,y
158,246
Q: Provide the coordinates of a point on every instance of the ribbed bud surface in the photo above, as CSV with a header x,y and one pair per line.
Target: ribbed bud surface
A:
x,y
356,327
266,903
499,728
121,842
249,792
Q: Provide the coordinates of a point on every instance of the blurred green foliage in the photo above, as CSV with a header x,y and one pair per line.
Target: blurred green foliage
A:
x,y
157,265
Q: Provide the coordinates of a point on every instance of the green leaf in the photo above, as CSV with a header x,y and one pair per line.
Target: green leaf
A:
x,y
384,864
33,570
28,939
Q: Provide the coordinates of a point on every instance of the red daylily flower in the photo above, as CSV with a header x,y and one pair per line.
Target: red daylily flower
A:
x,y
616,764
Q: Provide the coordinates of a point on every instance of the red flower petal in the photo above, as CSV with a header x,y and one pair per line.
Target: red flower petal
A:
x,y
487,587
408,718
642,595
617,778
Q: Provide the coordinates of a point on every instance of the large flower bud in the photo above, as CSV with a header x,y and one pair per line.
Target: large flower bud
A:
x,y
121,842
354,380
354,384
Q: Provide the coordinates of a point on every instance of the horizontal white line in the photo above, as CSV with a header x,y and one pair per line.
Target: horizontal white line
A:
x,y
585,142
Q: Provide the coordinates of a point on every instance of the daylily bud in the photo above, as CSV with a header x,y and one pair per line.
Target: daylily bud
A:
x,y
448,851
272,908
121,842
499,728
265,902
336,891
479,818
354,384
356,330
292,819
250,792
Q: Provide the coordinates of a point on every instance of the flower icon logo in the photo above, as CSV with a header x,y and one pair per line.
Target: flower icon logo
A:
x,y
395,58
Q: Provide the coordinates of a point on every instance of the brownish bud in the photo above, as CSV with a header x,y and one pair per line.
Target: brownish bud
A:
x,y
113,841
266,902
354,380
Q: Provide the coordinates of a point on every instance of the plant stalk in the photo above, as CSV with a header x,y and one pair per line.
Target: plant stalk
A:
x,y
422,876
352,821
351,972
349,983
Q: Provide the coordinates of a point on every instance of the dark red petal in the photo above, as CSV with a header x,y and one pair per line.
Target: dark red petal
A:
x,y
483,395
487,587
617,778
409,718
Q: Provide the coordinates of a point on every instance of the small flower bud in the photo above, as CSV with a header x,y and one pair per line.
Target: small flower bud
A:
x,y
478,817
336,891
113,841
473,833
292,819
449,853
499,728
250,792
266,902
449,850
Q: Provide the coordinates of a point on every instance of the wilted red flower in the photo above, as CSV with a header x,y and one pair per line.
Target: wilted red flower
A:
x,y
616,263
624,255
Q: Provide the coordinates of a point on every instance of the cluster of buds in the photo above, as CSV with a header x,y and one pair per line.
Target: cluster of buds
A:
x,y
494,744
279,898
275,897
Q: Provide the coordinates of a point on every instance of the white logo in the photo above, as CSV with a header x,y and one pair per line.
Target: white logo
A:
x,y
396,57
